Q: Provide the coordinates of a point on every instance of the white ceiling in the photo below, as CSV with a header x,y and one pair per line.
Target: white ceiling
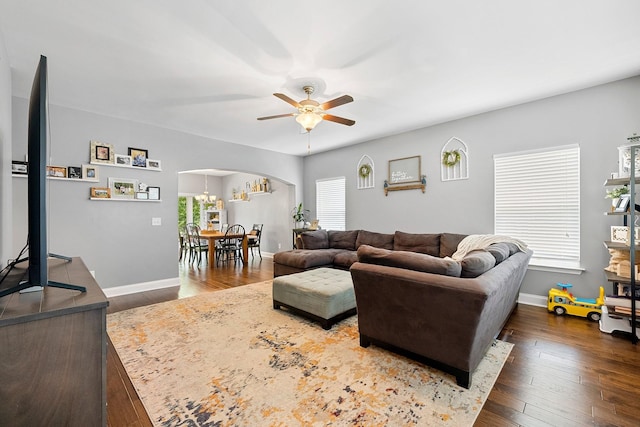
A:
x,y
210,67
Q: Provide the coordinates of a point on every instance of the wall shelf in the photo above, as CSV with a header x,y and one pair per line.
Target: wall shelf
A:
x,y
113,165
55,178
112,199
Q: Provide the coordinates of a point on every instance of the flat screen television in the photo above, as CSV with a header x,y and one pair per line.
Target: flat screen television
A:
x,y
37,188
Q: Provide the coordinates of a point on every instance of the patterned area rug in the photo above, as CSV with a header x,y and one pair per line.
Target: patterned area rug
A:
x,y
229,358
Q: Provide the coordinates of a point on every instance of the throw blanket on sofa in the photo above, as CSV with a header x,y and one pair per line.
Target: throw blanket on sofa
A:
x,y
475,242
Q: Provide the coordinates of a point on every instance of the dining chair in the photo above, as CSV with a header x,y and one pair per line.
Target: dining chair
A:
x,y
196,244
231,244
183,241
254,242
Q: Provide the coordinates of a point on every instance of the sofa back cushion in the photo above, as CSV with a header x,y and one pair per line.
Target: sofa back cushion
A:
x,y
377,240
500,251
477,262
409,260
343,239
422,243
318,239
449,243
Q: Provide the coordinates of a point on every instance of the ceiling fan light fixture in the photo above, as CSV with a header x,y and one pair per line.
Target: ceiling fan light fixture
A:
x,y
308,120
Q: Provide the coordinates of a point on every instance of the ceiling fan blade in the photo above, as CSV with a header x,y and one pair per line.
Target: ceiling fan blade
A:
x,y
344,99
340,120
285,98
276,117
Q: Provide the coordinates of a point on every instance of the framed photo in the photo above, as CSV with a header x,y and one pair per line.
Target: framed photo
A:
x,y
154,193
89,172
19,168
123,188
123,160
74,172
154,164
138,157
101,152
57,171
623,203
142,195
405,170
100,193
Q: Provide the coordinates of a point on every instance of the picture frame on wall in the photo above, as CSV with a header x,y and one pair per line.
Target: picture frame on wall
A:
x,y
123,160
405,170
101,152
19,168
123,188
57,171
90,172
154,193
154,164
142,195
100,193
74,172
138,157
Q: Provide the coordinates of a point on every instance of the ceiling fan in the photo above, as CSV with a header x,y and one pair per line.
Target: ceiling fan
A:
x,y
310,112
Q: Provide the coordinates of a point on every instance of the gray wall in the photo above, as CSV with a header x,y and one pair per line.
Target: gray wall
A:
x,y
598,119
5,155
271,210
116,238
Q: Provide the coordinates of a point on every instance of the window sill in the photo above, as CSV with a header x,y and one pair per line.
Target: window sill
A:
x,y
556,266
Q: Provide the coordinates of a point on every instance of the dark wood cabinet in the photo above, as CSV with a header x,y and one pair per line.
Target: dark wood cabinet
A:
x,y
53,351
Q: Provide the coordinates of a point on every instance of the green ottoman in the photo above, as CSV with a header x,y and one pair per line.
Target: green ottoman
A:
x,y
323,294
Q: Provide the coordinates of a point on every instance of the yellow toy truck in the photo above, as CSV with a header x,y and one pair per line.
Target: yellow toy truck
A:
x,y
561,301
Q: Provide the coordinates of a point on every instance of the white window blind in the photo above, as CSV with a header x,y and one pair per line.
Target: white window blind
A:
x,y
330,203
537,200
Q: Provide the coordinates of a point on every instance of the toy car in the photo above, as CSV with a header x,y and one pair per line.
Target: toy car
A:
x,y
561,301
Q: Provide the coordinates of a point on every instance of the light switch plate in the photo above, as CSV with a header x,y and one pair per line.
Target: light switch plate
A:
x,y
156,221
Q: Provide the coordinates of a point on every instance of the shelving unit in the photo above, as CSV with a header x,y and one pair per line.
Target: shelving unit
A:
x,y
215,217
609,322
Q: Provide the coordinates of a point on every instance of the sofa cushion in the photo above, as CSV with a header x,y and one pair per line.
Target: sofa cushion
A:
x,y
408,260
421,243
500,251
305,258
449,243
343,239
318,239
345,258
477,262
377,240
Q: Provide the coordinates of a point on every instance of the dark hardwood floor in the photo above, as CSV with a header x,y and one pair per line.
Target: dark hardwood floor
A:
x,y
562,371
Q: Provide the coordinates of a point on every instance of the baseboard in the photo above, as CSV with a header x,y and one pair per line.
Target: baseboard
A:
x,y
531,299
140,287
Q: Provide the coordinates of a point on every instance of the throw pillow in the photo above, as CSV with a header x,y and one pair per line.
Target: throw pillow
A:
x,y
343,239
476,263
449,243
500,251
318,239
409,260
421,243
377,240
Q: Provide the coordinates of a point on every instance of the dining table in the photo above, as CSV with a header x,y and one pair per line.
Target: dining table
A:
x,y
213,235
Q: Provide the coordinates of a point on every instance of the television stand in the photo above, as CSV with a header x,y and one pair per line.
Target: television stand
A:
x,y
27,286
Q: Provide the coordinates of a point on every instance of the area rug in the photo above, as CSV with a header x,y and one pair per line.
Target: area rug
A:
x,y
228,358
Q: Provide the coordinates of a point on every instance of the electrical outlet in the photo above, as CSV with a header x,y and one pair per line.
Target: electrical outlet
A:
x,y
279,245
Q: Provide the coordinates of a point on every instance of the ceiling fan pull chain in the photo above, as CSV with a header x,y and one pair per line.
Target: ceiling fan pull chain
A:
x,y
308,142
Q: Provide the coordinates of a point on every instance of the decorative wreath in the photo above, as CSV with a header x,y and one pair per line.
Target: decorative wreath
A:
x,y
364,171
450,158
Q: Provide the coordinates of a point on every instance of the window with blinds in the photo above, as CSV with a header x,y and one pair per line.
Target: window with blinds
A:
x,y
537,200
330,203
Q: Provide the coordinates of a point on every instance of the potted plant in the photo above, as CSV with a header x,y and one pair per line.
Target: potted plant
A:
x,y
615,193
299,215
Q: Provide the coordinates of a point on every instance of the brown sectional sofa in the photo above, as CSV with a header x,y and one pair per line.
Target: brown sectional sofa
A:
x,y
413,298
